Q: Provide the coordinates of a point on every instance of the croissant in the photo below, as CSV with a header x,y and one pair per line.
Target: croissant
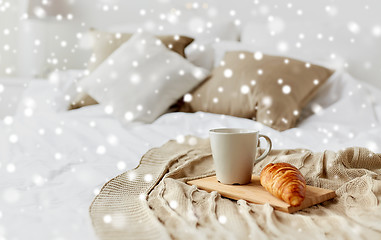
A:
x,y
284,181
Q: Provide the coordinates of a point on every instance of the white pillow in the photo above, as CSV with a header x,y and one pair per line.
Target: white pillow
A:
x,y
141,79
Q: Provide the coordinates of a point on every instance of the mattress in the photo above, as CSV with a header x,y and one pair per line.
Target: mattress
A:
x,y
53,162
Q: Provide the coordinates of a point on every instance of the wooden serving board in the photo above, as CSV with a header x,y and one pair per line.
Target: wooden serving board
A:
x,y
255,193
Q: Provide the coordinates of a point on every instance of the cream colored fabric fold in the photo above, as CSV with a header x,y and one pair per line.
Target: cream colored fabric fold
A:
x,y
154,202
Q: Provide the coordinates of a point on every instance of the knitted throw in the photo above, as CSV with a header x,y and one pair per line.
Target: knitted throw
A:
x,y
154,202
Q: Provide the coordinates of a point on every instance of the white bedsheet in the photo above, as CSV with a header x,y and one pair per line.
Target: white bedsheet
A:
x,y
53,162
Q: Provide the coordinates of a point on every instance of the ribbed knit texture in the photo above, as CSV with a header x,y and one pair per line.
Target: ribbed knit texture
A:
x,y
154,202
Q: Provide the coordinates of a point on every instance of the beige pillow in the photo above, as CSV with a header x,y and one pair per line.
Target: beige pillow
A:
x,y
106,43
269,89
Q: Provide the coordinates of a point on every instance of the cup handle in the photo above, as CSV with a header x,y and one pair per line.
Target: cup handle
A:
x,y
268,149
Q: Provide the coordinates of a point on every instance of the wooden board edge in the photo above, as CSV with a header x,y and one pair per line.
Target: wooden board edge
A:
x,y
330,194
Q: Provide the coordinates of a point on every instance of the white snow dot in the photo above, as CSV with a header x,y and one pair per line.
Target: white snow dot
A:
x,y
28,112
11,167
38,180
198,73
101,150
245,89
1,88
8,70
173,204
282,46
260,71
215,100
113,140
135,78
131,176
107,218
267,101
316,81
353,27
192,141
308,65
316,108
220,89
109,109
92,123
331,10
372,146
135,63
180,139
181,72
284,120
39,12
41,131
228,73
296,112
96,191
8,120
376,31
142,197
148,177
258,56
129,116
187,97
58,131
286,89
121,165
222,219
30,102
6,31
63,43
105,8
280,81
13,138
241,56
58,156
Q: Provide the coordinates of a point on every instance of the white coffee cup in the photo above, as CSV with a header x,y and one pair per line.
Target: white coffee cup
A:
x,y
234,151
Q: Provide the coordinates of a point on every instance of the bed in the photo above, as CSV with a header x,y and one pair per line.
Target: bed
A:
x,y
54,162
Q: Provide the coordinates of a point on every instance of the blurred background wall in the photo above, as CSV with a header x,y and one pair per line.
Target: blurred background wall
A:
x,y
38,36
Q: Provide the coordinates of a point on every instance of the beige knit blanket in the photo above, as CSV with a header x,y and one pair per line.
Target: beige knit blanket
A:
x,y
154,202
